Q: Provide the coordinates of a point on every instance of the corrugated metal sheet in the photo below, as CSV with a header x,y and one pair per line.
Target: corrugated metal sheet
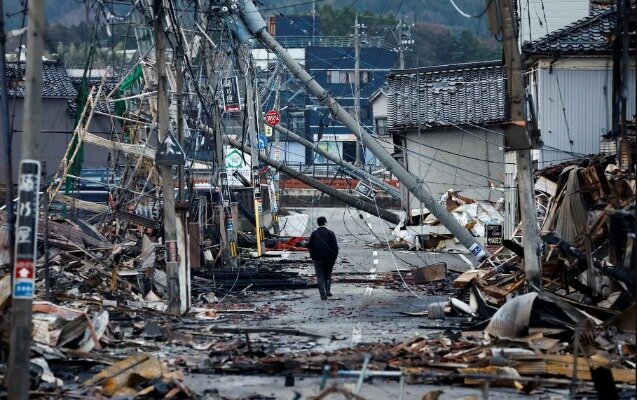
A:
x,y
574,111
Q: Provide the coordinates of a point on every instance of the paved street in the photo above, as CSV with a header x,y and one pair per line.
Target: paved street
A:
x,y
361,313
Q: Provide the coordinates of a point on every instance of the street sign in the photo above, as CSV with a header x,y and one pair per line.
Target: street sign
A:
x,y
256,182
262,142
237,161
26,229
231,101
272,117
268,130
169,151
365,190
274,207
494,236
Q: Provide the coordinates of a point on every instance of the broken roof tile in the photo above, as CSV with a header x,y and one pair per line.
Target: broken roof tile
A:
x,y
447,95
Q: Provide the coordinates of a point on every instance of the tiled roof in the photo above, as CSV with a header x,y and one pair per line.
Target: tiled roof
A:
x,y
589,35
448,95
55,81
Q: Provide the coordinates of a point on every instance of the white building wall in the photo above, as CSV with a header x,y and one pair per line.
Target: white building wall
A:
x,y
470,162
541,17
574,106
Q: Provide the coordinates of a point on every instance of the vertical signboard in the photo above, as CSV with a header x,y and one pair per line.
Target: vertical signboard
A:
x,y
26,230
494,235
231,101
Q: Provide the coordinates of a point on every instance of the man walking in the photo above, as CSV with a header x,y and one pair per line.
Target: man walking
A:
x,y
323,251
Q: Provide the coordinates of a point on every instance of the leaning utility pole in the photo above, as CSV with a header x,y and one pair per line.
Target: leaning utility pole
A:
x,y
520,136
256,26
357,90
17,377
349,169
176,291
338,195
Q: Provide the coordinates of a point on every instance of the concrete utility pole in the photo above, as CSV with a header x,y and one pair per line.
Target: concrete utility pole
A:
x,y
348,168
254,152
277,143
182,205
404,41
226,219
256,25
360,154
345,198
177,302
17,377
520,137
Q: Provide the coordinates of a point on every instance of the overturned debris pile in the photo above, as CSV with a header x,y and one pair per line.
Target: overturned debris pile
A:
x,y
430,234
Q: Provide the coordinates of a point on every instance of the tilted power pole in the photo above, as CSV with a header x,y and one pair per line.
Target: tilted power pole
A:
x,y
256,26
335,193
349,169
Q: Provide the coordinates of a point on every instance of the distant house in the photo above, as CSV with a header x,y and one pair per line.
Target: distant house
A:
x,y
445,122
570,78
333,68
57,118
378,106
56,122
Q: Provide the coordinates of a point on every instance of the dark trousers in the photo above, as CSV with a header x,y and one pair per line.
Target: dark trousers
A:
x,y
323,270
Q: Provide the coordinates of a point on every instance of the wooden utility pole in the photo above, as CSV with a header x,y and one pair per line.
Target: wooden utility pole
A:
x,y
176,291
17,377
357,90
520,136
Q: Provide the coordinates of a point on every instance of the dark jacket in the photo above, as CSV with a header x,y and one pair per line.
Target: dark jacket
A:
x,y
322,244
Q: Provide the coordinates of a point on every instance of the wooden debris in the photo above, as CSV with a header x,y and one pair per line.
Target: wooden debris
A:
x,y
429,273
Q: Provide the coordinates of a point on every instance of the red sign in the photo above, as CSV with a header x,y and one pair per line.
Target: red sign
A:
x,y
24,269
272,117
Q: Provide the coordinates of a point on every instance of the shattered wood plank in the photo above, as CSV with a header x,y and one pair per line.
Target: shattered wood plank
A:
x,y
147,257
72,331
116,368
466,277
501,292
135,149
81,204
5,290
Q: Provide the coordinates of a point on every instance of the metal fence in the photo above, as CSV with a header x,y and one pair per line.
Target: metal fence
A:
x,y
320,170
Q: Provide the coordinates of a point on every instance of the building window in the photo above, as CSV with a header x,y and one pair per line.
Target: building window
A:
x,y
343,76
380,126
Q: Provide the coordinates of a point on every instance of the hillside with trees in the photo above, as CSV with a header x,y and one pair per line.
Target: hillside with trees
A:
x,y
441,34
